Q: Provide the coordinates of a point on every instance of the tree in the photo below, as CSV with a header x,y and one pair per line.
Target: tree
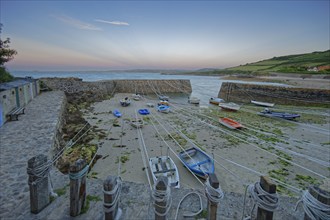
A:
x,y
6,54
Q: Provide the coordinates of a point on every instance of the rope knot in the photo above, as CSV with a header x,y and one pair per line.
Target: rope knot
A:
x,y
213,194
263,199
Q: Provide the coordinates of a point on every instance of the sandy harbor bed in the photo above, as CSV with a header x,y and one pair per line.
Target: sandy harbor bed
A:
x,y
296,153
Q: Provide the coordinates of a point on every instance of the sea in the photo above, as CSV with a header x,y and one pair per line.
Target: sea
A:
x,y
203,87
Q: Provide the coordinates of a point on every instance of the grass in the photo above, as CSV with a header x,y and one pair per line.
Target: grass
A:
x,y
89,198
305,181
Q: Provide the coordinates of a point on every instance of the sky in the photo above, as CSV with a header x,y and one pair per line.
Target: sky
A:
x,y
110,35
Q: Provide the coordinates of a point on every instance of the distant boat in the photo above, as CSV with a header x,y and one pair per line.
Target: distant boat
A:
x,y
163,108
230,123
265,104
230,106
136,97
137,122
125,102
162,102
144,111
151,105
164,166
163,97
215,100
116,113
284,115
193,100
197,161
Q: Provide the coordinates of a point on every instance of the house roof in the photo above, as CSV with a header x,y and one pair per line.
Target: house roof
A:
x,y
16,83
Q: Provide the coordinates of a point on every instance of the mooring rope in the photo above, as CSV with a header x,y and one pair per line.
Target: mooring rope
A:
x,y
162,196
115,191
80,174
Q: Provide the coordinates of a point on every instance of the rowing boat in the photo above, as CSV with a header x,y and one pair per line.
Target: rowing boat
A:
x,y
164,166
163,108
144,111
230,123
215,100
197,161
265,104
137,122
116,113
229,106
283,115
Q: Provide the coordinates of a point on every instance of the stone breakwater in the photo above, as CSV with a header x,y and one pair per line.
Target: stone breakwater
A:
x,y
109,87
244,93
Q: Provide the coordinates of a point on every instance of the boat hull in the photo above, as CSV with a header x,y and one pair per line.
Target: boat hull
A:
x,y
164,166
283,115
230,123
265,104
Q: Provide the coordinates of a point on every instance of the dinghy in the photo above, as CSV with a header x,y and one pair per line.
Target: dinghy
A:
x,y
284,115
163,97
151,105
144,111
230,123
193,100
125,102
137,122
265,104
197,161
215,100
116,113
164,166
163,103
163,108
230,106
136,97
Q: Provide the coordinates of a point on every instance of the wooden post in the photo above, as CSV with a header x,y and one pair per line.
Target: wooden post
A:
x,y
160,207
270,187
39,191
108,185
77,187
211,206
322,195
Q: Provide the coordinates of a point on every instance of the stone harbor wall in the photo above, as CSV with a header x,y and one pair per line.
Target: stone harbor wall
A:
x,y
108,87
244,93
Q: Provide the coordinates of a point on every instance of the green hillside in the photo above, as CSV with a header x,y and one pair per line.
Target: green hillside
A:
x,y
299,63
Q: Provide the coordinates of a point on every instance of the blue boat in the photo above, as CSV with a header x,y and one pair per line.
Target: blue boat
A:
x,y
163,108
116,113
197,161
283,115
144,111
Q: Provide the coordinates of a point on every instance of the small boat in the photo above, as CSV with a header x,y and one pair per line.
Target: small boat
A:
x,y
163,108
265,104
193,100
230,123
163,97
151,105
163,103
125,102
197,161
137,122
116,113
284,115
229,106
136,97
144,111
164,166
215,100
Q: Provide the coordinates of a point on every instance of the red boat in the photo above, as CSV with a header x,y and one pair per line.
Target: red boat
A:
x,y
230,123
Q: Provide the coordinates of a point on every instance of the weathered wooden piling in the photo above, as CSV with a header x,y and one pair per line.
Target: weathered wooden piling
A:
x,y
111,189
212,207
77,175
38,171
161,206
321,195
270,187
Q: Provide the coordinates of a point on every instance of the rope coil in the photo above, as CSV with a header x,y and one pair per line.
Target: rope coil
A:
x,y
314,208
80,174
263,199
39,172
213,194
115,191
162,196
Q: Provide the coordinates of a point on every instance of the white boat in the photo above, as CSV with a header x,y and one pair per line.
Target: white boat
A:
x,y
151,105
164,166
229,106
137,122
163,97
125,102
136,97
265,104
193,100
215,100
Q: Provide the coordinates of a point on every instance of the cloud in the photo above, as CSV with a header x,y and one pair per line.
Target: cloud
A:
x,y
76,23
120,23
